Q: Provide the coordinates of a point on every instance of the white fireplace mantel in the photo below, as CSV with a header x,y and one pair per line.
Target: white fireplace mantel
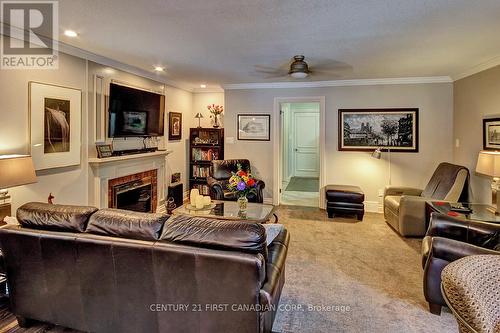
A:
x,y
105,169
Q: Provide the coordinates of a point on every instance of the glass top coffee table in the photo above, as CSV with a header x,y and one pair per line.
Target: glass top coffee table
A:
x,y
479,212
229,210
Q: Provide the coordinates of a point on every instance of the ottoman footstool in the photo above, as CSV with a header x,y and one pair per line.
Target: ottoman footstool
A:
x,y
345,199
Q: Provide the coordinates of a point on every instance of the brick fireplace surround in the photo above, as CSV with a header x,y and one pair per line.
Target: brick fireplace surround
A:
x,y
149,176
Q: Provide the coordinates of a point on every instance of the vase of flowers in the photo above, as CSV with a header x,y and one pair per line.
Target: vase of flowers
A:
x,y
216,111
242,183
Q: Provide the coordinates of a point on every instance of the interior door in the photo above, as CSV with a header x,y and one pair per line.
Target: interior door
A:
x,y
306,144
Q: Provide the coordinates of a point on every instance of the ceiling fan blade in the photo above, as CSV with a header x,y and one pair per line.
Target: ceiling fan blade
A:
x,y
325,74
330,65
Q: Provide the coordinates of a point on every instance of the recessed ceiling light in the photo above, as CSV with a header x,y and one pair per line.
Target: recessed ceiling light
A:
x,y
203,85
70,33
159,68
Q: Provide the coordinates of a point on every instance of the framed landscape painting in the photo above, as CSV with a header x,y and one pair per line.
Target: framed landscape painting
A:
x,y
369,129
254,127
55,116
491,134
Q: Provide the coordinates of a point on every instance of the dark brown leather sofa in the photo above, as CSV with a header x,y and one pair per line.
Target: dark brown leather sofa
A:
x,y
447,240
116,271
221,172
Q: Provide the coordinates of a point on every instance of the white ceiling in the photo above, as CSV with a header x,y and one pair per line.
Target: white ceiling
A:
x,y
221,41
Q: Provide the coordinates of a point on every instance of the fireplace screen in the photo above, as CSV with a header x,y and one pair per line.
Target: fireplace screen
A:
x,y
135,196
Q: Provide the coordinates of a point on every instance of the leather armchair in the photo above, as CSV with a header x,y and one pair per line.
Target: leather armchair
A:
x,y
447,240
221,172
404,207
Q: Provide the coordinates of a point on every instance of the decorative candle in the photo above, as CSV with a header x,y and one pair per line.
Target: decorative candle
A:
x,y
193,195
207,200
199,202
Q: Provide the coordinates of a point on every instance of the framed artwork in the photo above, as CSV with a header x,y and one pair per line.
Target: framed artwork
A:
x,y
55,118
104,150
369,129
254,127
491,134
174,126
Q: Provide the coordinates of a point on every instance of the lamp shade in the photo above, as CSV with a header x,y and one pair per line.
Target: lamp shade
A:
x,y
488,163
16,170
199,115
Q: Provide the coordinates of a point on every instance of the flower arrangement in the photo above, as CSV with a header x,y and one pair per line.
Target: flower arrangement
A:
x,y
215,110
242,183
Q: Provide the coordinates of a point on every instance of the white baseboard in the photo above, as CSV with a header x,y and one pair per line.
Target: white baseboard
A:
x,y
373,207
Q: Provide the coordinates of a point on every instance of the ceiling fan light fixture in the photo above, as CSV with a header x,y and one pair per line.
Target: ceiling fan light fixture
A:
x,y
299,68
299,75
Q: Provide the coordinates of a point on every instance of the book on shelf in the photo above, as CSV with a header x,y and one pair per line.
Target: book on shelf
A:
x,y
200,154
201,171
204,190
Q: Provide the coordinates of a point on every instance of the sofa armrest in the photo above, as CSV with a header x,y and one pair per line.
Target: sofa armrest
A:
x,y
275,269
451,249
412,215
401,190
462,230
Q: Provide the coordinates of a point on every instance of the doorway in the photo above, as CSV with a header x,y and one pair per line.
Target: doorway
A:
x,y
300,153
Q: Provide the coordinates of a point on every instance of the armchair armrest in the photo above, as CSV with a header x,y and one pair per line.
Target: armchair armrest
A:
x,y
401,190
216,188
451,250
412,215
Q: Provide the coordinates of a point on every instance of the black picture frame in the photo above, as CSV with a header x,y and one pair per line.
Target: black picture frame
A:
x,y
490,127
369,137
262,122
174,126
104,150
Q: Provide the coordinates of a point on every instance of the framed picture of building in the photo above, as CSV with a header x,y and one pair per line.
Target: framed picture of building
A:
x,y
368,129
491,134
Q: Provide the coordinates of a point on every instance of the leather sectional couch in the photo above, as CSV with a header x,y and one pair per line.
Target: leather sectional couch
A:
x,y
116,271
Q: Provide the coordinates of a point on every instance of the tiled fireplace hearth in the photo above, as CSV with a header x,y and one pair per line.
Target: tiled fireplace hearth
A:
x,y
135,183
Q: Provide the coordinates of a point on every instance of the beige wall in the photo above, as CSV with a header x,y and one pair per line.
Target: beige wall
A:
x,y
68,185
475,97
200,102
435,102
71,185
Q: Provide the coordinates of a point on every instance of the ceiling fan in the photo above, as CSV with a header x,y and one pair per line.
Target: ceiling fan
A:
x,y
298,68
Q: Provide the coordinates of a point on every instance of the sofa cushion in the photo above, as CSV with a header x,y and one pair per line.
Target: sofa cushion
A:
x,y
127,224
39,215
392,202
217,234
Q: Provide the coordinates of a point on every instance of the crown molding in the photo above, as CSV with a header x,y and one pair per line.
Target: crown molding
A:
x,y
339,83
208,90
478,68
87,55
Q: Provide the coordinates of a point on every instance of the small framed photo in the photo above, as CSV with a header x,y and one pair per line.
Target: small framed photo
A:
x,y
174,125
104,151
254,127
491,134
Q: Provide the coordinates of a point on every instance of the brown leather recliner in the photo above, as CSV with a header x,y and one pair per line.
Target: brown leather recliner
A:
x,y
221,172
117,271
447,240
404,207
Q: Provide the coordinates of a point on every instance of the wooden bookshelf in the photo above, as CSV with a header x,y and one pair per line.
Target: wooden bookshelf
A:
x,y
205,145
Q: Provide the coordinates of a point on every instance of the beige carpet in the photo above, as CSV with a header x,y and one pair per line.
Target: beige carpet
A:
x,y
364,266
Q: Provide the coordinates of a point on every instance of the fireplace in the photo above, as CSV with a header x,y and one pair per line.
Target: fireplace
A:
x,y
137,192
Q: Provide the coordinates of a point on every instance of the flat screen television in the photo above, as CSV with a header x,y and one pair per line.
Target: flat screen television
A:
x,y
135,112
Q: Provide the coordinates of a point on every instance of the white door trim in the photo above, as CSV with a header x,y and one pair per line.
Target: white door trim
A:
x,y
277,145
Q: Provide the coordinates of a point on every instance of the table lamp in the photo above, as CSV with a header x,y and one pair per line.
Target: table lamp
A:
x,y
15,170
488,164
199,116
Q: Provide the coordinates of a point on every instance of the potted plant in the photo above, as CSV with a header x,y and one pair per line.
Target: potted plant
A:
x,y
215,110
242,183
